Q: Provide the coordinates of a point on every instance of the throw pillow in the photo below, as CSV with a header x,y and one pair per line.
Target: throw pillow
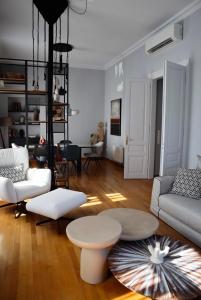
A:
x,y
14,146
13,173
199,162
188,183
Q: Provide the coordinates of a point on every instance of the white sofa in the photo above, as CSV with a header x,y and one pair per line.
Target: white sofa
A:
x,y
181,213
37,181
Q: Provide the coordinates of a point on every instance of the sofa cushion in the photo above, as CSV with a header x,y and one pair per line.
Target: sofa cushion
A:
x,y
30,188
188,183
15,173
187,210
199,162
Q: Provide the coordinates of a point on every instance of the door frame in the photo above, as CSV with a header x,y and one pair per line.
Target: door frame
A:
x,y
154,77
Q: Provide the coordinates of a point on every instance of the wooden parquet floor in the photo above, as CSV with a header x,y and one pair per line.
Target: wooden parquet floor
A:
x,y
40,263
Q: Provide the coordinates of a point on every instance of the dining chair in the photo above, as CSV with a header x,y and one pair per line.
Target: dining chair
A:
x,y
71,153
95,156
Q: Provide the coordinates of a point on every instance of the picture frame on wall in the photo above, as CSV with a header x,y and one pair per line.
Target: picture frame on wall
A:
x,y
115,118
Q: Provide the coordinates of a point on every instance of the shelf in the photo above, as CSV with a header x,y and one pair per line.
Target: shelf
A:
x,y
18,91
60,104
39,92
22,111
13,80
39,122
11,91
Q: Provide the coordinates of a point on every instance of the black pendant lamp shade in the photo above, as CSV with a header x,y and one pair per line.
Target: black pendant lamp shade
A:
x,y
62,47
51,10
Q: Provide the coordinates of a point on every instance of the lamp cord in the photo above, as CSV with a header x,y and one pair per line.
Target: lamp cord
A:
x,y
33,38
45,51
38,40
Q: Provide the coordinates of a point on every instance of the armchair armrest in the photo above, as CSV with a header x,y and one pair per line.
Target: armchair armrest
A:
x,y
161,185
42,175
7,191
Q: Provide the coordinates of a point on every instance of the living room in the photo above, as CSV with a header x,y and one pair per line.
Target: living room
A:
x,y
115,78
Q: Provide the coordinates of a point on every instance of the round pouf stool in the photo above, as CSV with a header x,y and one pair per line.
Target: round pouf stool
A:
x,y
95,235
158,267
136,224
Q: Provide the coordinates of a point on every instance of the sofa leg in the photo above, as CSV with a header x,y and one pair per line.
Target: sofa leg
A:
x,y
8,204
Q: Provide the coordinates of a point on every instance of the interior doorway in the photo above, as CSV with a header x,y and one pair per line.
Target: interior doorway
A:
x,y
158,122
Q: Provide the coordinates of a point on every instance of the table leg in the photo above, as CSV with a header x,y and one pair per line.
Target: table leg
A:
x,y
93,265
79,162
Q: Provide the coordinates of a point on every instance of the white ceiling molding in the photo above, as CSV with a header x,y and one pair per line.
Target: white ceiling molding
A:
x,y
83,66
184,13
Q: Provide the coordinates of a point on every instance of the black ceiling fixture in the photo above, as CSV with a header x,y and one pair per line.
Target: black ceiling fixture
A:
x,y
51,12
62,47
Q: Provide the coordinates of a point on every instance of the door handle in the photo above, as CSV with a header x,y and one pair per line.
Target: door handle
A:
x,y
126,140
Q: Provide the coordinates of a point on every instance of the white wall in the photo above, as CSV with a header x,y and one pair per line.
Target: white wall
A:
x,y
114,89
139,65
86,93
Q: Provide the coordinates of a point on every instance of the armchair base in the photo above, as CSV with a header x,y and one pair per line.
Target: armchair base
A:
x,y
7,204
51,220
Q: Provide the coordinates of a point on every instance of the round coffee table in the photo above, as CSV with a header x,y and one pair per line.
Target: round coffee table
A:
x,y
95,235
136,224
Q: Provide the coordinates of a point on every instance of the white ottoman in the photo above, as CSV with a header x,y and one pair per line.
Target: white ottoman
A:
x,y
56,203
95,235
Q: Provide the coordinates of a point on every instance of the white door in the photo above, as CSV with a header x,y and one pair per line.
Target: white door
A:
x,y
137,131
172,118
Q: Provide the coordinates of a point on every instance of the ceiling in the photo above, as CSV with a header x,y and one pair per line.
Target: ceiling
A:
x,y
108,28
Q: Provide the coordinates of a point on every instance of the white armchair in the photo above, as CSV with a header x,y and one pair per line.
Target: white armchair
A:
x,y
37,181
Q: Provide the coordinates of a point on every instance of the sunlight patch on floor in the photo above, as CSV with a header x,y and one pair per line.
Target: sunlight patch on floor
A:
x,y
131,296
115,197
92,200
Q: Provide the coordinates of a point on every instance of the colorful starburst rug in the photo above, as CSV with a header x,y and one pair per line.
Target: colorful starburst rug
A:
x,y
158,267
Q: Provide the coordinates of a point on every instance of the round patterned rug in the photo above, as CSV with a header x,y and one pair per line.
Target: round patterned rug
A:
x,y
159,267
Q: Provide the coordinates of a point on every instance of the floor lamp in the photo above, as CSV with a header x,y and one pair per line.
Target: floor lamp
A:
x,y
4,122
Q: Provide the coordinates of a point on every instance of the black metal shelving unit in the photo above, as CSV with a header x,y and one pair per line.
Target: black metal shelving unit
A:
x,y
15,74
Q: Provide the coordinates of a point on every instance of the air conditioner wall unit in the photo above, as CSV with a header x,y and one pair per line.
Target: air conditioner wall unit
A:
x,y
165,37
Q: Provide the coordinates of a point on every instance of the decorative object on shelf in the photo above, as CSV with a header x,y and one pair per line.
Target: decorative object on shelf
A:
x,y
4,122
115,119
58,112
36,113
62,91
22,119
42,141
16,106
21,133
158,267
58,156
12,132
1,84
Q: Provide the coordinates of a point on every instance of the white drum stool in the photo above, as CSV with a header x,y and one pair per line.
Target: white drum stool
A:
x,y
95,235
136,224
56,204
